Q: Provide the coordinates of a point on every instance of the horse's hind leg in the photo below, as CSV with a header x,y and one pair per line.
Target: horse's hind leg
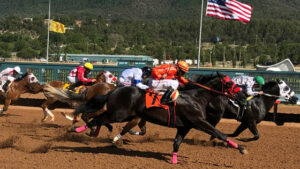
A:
x,y
134,122
142,126
181,133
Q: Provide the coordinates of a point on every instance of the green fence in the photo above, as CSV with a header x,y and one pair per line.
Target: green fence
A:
x,y
48,72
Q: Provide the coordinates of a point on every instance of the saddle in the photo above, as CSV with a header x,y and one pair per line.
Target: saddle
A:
x,y
77,90
153,100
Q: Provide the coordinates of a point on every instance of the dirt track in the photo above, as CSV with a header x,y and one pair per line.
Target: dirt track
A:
x,y
25,142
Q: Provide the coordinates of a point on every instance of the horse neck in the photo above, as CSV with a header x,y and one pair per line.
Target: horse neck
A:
x,y
268,101
21,85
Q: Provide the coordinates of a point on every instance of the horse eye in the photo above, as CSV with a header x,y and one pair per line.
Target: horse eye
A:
x,y
286,88
32,78
110,76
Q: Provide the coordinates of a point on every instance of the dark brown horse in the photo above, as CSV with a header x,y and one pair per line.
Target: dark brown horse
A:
x,y
256,109
126,103
100,87
27,84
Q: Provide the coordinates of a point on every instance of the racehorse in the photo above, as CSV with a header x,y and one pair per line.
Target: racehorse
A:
x,y
27,84
125,103
100,87
256,109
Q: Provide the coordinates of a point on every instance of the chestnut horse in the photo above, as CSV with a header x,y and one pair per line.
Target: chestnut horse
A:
x,y
100,87
27,84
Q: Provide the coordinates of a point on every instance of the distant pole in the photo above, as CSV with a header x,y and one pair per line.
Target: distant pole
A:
x,y
200,31
47,53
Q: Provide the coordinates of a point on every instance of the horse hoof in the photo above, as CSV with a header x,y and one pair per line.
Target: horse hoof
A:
x,y
243,151
52,119
44,119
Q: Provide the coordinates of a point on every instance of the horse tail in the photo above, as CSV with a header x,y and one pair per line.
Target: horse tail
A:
x,y
94,104
57,93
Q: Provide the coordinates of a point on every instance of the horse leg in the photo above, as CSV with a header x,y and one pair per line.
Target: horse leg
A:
x,y
252,127
181,133
6,104
209,129
46,111
243,126
126,128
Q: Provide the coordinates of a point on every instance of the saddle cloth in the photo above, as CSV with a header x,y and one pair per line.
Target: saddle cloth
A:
x,y
153,100
77,89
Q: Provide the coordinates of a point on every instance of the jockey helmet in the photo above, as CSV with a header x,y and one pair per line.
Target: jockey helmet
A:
x,y
88,65
17,69
259,80
85,60
183,66
147,71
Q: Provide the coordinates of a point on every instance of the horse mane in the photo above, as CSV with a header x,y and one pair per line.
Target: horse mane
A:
x,y
98,77
22,77
201,79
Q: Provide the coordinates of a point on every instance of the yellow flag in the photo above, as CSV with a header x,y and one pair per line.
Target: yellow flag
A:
x,y
57,27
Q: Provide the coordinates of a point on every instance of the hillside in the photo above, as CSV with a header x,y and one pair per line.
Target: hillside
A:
x,y
140,9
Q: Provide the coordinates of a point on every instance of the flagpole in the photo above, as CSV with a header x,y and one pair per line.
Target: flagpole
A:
x,y
47,53
200,32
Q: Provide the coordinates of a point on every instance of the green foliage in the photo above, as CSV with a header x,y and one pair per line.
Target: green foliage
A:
x,y
149,27
27,53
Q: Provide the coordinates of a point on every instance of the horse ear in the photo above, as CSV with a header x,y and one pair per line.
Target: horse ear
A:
x,y
220,75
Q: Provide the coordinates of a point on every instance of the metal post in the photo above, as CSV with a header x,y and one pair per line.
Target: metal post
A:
x,y
200,31
47,53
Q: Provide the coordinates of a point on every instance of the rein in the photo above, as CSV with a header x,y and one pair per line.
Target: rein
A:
x,y
213,90
270,95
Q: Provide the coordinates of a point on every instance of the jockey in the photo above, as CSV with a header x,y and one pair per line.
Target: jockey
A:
x,y
169,77
10,75
78,76
246,83
134,77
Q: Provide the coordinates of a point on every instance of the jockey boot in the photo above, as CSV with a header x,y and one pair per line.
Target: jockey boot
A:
x,y
166,98
5,86
242,110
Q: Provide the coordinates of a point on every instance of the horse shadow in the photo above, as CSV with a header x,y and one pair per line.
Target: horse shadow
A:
x,y
115,151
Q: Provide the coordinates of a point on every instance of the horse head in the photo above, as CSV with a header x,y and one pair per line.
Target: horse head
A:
x,y
279,88
32,84
106,77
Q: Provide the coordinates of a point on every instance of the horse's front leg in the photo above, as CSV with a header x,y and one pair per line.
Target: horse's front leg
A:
x,y
209,129
142,126
252,127
6,104
243,126
134,122
46,111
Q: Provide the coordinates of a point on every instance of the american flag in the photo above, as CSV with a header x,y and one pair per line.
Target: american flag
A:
x,y
229,10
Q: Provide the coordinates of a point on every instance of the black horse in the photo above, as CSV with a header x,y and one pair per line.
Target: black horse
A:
x,y
125,103
256,109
